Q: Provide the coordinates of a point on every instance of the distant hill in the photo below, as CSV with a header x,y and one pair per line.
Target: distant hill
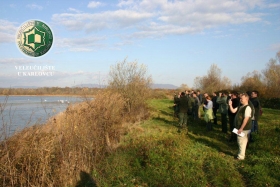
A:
x,y
25,87
90,86
154,86
164,86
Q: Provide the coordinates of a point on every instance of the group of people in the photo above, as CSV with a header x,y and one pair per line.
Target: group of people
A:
x,y
241,110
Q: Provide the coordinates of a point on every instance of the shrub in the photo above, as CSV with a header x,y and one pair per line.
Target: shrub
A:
x,y
132,82
273,103
72,143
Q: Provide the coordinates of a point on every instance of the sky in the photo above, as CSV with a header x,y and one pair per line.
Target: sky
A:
x,y
177,40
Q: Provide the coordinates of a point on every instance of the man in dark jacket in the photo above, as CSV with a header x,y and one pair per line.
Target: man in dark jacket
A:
x,y
184,105
215,107
256,103
195,107
176,104
223,109
235,103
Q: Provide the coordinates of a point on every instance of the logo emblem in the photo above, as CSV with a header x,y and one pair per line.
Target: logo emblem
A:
x,y
34,38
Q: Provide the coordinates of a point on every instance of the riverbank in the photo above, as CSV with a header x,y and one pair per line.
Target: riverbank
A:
x,y
73,149
69,143
48,95
50,91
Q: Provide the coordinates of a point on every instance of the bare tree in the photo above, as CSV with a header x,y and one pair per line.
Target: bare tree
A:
x,y
272,78
278,56
253,81
183,87
212,81
132,81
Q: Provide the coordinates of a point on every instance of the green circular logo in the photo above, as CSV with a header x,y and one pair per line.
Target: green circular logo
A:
x,y
34,38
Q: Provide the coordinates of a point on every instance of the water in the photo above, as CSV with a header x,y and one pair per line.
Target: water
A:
x,y
17,112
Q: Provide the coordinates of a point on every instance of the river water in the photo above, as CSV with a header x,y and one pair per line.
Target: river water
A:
x,y
17,112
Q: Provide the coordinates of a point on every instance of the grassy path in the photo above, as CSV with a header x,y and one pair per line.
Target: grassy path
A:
x,y
153,153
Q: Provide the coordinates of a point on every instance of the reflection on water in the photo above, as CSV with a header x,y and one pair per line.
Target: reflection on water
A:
x,y
17,112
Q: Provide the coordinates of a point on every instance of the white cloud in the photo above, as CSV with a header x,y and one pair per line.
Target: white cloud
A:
x,y
273,5
7,31
124,3
74,10
20,61
275,47
58,78
6,37
150,18
94,4
85,44
12,5
15,61
104,20
34,6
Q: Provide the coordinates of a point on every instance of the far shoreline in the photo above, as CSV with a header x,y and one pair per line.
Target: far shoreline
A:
x,y
59,95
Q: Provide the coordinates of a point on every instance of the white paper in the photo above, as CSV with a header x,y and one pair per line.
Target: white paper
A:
x,y
236,132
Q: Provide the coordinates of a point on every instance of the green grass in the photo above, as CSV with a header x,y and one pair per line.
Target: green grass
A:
x,y
156,154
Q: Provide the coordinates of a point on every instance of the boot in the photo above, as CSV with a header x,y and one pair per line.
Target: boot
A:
x,y
211,126
208,126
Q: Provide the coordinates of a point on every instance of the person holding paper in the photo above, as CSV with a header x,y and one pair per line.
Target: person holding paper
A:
x,y
243,123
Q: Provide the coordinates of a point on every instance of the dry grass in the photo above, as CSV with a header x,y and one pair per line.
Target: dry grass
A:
x,y
60,152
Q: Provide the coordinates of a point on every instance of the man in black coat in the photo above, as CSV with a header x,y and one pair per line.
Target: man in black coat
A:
x,y
235,103
184,105
215,107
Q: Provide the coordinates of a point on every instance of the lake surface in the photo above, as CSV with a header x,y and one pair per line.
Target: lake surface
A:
x,y
17,112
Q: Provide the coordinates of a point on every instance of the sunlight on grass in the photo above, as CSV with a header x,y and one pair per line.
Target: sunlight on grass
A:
x,y
160,156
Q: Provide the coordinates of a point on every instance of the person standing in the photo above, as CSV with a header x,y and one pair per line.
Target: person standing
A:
x,y
184,106
257,106
176,104
235,103
196,105
223,109
191,109
187,93
243,123
200,97
215,107
208,113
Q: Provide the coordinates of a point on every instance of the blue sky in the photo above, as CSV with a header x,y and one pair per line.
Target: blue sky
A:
x,y
177,40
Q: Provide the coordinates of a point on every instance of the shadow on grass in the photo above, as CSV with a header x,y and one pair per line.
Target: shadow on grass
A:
x,y
198,127
167,122
86,180
214,145
171,113
200,134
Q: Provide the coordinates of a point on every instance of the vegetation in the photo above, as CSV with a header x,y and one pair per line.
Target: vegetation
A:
x,y
90,144
265,82
122,138
56,153
132,82
155,154
273,103
212,81
70,145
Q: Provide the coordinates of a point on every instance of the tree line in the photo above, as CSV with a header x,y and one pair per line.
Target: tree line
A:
x,y
265,82
49,91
